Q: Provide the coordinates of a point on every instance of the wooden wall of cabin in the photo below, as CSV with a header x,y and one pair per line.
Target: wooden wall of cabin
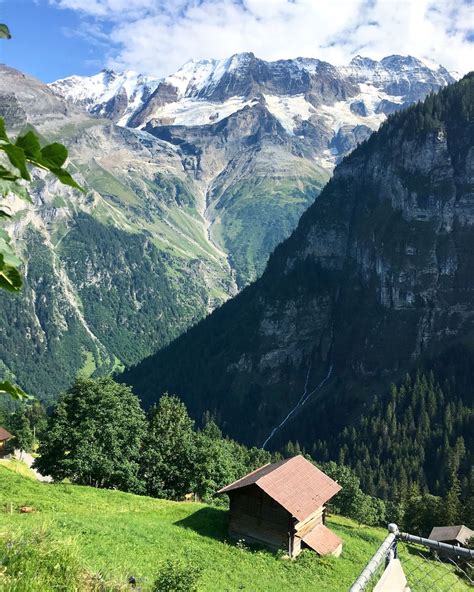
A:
x,y
256,517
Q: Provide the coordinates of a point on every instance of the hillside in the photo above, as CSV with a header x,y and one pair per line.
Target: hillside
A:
x,y
122,535
374,282
262,136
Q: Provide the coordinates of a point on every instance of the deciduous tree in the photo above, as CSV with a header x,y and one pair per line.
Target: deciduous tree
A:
x,y
94,436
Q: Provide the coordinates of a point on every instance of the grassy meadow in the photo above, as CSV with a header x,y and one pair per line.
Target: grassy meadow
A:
x,y
109,536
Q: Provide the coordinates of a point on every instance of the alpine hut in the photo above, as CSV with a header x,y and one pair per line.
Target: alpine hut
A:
x,y
4,437
453,535
282,506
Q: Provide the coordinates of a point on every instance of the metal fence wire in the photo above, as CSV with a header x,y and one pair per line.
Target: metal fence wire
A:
x,y
409,563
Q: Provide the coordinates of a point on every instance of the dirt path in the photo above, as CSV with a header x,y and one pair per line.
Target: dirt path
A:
x,y
28,460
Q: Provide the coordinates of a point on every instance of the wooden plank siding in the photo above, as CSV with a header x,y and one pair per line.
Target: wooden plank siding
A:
x,y
256,517
302,528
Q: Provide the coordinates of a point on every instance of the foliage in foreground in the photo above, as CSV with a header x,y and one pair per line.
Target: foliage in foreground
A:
x,y
177,576
39,560
97,435
20,155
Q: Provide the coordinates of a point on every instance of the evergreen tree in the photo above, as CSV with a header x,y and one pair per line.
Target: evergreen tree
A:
x,y
38,419
452,502
169,450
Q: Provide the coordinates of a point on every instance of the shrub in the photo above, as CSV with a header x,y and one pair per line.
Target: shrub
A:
x,y
177,576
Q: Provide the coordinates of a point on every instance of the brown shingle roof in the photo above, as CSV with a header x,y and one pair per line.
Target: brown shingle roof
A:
x,y
322,540
295,483
5,434
460,533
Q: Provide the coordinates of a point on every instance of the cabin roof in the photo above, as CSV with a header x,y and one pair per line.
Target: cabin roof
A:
x,y
295,483
460,533
322,540
5,434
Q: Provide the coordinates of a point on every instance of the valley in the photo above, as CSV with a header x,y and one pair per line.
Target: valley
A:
x,y
192,181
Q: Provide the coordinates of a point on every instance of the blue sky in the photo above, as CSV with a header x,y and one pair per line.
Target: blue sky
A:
x,y
56,38
44,43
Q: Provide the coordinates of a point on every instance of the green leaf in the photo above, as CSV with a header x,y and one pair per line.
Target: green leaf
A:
x,y
7,388
3,133
7,254
5,32
17,157
7,175
54,154
66,178
30,145
10,278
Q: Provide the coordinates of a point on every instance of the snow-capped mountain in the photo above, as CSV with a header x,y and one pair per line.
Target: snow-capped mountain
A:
x,y
110,94
310,98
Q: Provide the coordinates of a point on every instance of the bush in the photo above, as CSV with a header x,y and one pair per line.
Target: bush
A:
x,y
177,576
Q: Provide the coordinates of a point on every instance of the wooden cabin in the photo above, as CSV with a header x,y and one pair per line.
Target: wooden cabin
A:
x,y
452,535
4,437
282,506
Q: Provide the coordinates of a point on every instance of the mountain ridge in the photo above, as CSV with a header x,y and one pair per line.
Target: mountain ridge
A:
x,y
206,91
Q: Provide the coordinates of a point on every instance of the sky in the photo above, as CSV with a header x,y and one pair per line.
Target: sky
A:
x,y
57,38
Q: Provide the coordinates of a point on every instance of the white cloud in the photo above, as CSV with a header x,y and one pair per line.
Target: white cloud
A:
x,y
157,36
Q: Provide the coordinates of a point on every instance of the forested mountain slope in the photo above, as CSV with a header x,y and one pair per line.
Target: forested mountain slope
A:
x,y
109,274
375,281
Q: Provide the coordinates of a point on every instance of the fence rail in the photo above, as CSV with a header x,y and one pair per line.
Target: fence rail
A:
x,y
422,565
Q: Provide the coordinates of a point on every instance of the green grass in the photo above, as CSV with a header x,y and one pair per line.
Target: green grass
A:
x,y
106,183
89,365
118,535
16,466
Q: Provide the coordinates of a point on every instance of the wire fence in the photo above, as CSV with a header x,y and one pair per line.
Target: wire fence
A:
x,y
430,569
408,563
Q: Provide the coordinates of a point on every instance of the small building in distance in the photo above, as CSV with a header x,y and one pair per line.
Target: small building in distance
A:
x,y
452,535
4,437
282,506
